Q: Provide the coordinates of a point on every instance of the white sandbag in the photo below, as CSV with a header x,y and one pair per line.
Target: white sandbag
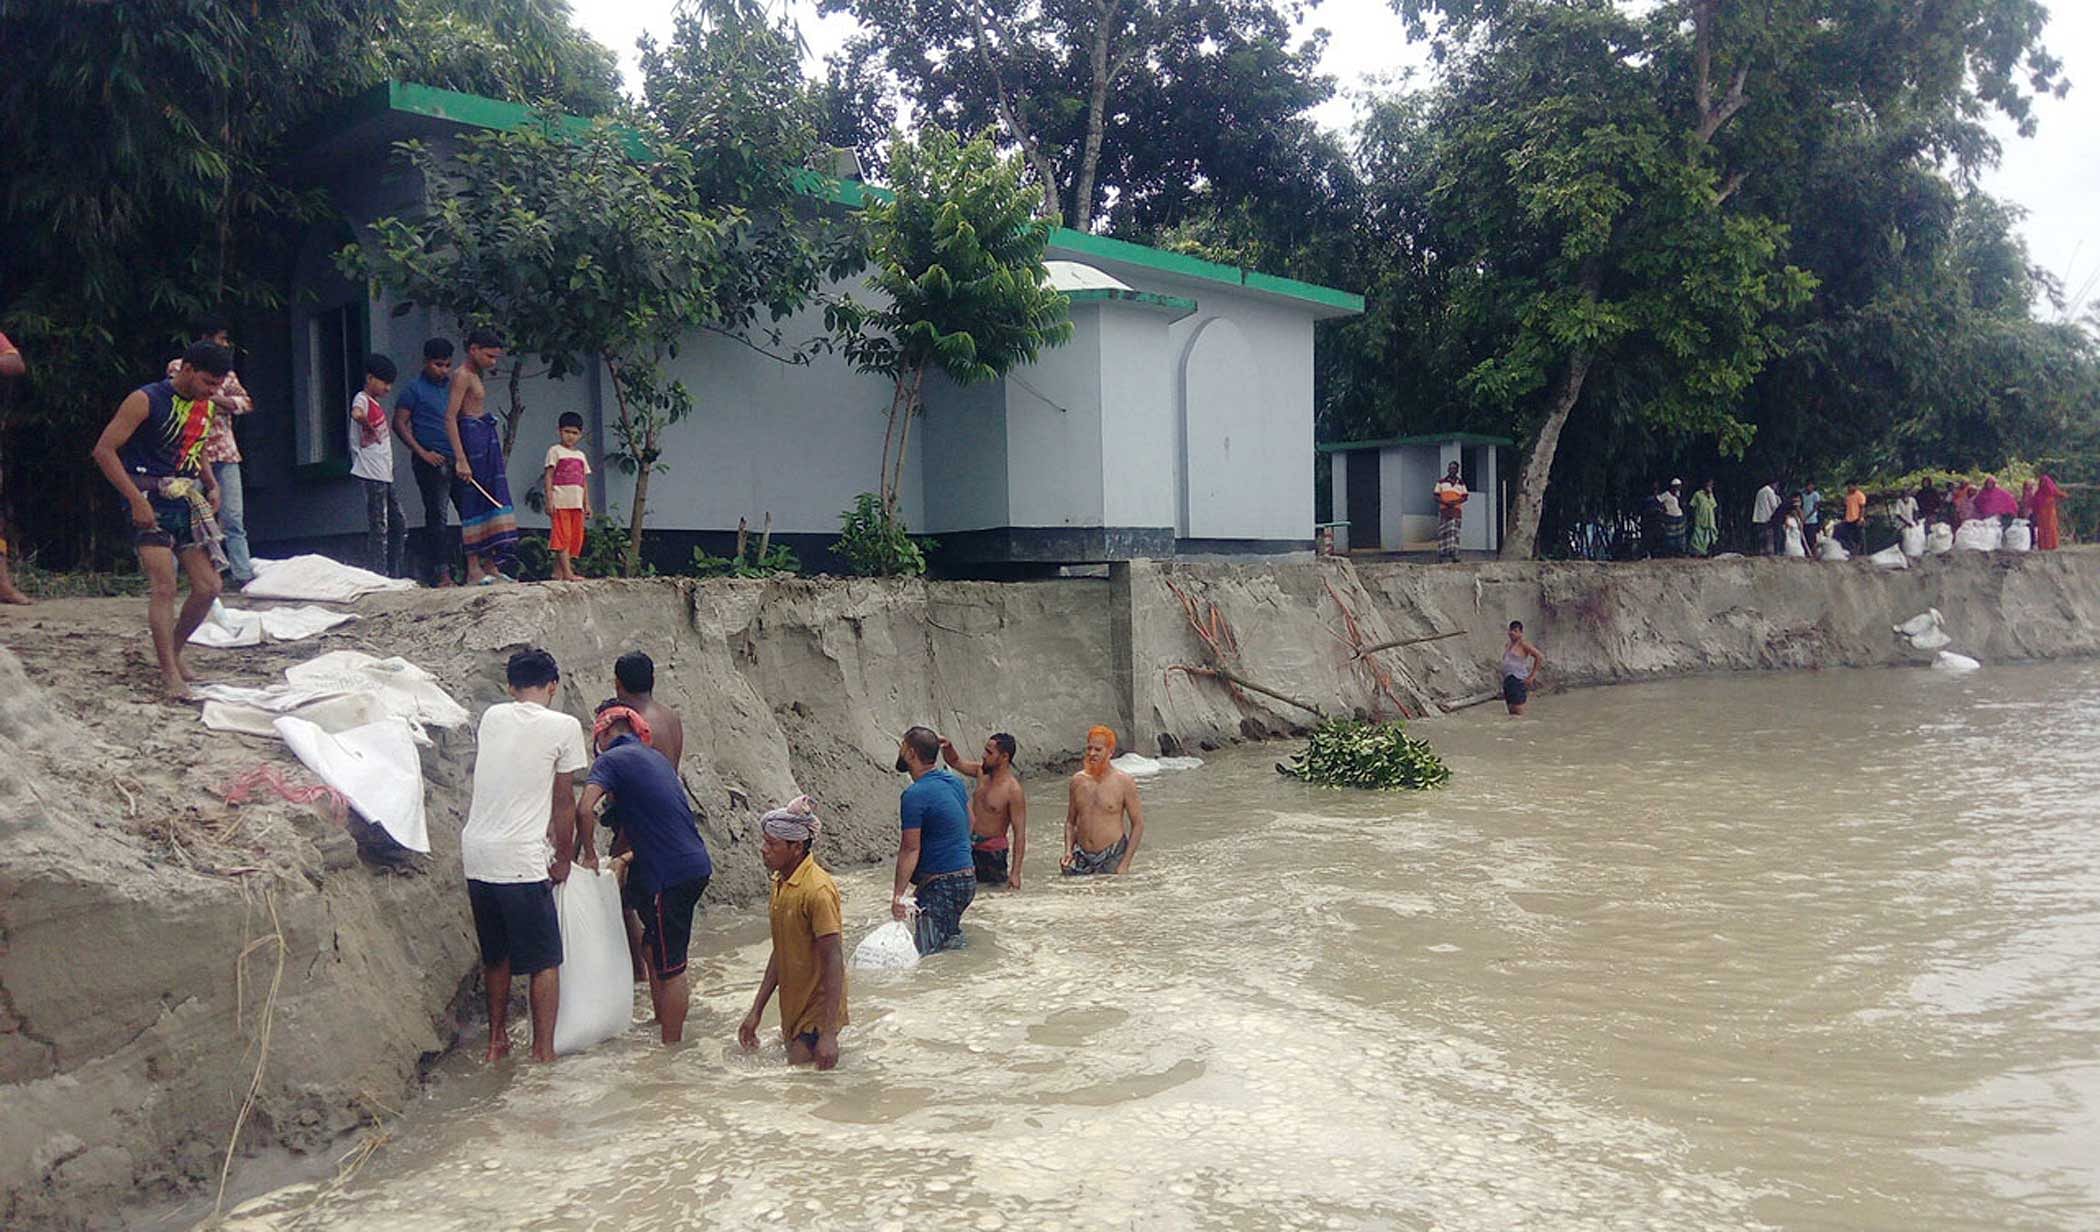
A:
x,y
1955,664
1913,539
404,688
1980,535
317,578
1927,619
597,978
1941,539
226,628
1139,766
1794,546
376,767
1890,557
1828,548
2019,536
889,948
1931,639
254,712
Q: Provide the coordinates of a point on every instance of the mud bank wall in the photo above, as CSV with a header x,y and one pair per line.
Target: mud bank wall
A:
x,y
128,891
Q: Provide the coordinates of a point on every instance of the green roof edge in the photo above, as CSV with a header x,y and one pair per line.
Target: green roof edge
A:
x,y
1424,438
494,113
1150,299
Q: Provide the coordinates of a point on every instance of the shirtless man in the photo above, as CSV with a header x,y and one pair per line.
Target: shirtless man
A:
x,y
997,806
488,525
1102,798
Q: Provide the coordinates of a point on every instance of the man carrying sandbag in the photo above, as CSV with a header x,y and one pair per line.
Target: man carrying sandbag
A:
x,y
670,865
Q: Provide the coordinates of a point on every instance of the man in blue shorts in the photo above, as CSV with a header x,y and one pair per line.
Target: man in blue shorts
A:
x,y
670,866
933,853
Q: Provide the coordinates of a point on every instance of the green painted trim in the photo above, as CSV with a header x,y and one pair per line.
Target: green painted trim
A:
x,y
1426,438
1106,248
1149,299
491,113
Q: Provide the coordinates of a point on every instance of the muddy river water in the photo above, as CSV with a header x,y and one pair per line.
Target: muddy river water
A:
x,y
1805,951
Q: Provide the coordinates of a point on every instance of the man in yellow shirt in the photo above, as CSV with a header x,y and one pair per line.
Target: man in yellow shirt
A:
x,y
808,965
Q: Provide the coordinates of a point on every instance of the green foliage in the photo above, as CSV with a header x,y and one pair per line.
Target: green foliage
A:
x,y
777,560
874,542
958,261
1155,103
1376,756
519,49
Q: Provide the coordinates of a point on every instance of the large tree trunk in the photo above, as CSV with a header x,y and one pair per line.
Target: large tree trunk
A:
x,y
1521,539
1082,215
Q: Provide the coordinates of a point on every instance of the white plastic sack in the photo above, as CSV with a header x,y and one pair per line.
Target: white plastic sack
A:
x,y
2019,536
1914,540
1931,639
1956,664
1830,549
1890,557
597,978
1927,619
254,712
404,688
1794,546
226,628
377,769
889,948
1139,766
1941,540
1980,535
317,578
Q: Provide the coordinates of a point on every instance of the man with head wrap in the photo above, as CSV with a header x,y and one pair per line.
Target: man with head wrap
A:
x,y
808,963
933,849
671,867
1102,798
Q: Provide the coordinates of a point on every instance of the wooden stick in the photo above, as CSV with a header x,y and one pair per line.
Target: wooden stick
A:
x,y
1232,678
1477,699
1407,641
743,531
765,539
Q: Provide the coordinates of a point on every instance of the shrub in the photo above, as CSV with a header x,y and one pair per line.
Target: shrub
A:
x,y
874,542
777,561
1378,756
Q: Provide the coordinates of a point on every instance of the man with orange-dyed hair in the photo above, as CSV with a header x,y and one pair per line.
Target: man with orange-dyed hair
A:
x,y
1101,800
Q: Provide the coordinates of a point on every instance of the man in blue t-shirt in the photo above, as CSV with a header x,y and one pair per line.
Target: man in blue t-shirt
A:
x,y
933,854
669,868
419,420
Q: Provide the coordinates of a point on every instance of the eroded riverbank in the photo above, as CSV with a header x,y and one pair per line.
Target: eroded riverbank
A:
x,y
125,1032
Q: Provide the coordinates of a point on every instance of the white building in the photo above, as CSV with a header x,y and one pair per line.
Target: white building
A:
x,y
1178,419
1385,491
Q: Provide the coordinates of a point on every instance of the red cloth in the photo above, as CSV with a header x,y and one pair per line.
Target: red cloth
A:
x,y
567,532
635,723
1996,502
2046,496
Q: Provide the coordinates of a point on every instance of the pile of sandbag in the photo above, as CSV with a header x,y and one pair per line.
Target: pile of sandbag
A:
x,y
1980,535
1924,631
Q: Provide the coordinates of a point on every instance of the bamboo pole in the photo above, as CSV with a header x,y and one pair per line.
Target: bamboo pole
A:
x,y
1407,641
1233,678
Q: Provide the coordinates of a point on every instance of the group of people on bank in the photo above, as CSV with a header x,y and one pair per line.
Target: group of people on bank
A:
x,y
531,821
1792,524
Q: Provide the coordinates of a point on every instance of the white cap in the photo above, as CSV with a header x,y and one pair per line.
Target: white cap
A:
x,y
1677,483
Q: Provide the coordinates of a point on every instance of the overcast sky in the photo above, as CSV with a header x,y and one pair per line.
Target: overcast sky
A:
x,y
2055,176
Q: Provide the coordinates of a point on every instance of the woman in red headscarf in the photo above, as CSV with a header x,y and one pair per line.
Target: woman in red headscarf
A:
x,y
2046,497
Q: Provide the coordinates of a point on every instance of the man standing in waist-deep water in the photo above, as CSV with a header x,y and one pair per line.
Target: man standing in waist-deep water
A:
x,y
1102,799
933,848
998,810
808,964
1521,665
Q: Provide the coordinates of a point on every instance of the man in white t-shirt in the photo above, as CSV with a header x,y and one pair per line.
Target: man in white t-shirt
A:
x,y
372,463
519,837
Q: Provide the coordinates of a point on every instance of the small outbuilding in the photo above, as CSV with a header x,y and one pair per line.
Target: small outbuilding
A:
x,y
1384,491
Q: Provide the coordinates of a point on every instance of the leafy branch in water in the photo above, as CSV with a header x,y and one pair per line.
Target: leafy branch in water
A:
x,y
1376,756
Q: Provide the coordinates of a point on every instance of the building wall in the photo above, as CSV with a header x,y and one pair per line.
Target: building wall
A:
x,y
1053,425
963,449
1138,431
1338,496
1245,406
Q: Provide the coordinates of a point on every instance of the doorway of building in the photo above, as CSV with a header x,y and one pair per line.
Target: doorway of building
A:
x,y
1362,476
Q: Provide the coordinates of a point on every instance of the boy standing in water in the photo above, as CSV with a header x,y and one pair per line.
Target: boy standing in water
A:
x,y
1101,800
519,838
1521,665
808,963
568,496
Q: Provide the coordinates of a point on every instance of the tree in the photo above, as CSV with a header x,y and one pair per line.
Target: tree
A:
x,y
1139,100
1627,166
520,49
957,253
